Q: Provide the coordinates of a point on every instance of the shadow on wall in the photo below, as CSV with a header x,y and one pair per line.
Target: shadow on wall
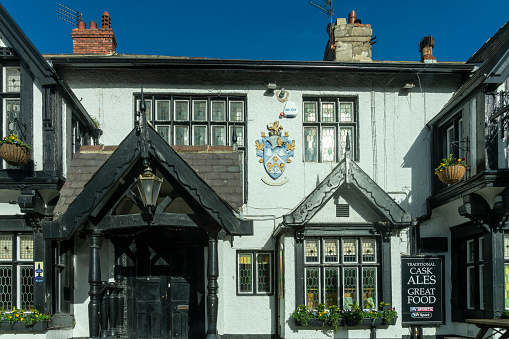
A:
x,y
418,159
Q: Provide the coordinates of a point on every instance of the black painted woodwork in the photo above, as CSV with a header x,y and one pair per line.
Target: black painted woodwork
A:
x,y
94,280
123,166
212,286
166,284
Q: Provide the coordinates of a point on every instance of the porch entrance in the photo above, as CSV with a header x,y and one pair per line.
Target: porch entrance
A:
x,y
166,289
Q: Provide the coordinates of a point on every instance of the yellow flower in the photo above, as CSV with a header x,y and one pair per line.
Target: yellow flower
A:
x,y
10,317
17,315
21,319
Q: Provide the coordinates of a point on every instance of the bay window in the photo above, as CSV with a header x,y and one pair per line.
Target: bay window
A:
x,y
341,271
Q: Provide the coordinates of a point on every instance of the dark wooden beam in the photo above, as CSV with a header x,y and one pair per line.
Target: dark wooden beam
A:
x,y
142,220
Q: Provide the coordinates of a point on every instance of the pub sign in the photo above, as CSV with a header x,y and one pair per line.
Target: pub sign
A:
x,y
422,290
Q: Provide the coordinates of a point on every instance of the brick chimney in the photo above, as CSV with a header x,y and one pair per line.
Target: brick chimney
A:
x,y
426,48
351,40
94,40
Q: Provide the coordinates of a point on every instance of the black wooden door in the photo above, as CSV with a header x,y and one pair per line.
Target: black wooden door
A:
x,y
149,308
166,292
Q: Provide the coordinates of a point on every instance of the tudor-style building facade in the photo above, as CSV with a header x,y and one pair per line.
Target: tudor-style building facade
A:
x,y
235,243
43,112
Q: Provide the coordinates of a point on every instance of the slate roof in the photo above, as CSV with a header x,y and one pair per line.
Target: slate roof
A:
x,y
218,166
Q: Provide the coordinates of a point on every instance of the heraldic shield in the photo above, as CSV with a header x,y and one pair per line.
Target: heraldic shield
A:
x,y
275,150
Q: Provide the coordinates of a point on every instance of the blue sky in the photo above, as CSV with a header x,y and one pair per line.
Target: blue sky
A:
x,y
266,30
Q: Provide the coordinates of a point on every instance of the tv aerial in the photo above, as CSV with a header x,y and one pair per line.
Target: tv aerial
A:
x,y
327,8
69,15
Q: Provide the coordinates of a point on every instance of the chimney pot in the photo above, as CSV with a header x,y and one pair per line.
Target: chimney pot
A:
x,y
352,17
106,20
426,48
82,25
93,25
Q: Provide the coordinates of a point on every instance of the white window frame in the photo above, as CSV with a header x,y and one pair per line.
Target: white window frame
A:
x,y
470,271
319,250
375,305
156,110
338,251
356,251
375,250
481,286
470,248
195,102
343,284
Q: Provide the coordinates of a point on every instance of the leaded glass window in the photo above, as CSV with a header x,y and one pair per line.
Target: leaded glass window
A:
x,y
506,246
198,119
164,132
350,250
368,250
327,124
12,80
181,110
16,271
312,254
181,135
506,278
254,272
345,112
328,112
12,110
199,110
334,274
218,111
236,110
239,133
310,109
369,288
331,285
218,135
310,143
328,144
6,247
199,135
163,110
312,287
263,272
349,287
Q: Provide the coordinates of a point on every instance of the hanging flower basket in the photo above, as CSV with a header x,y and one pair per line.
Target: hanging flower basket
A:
x,y
15,155
451,174
451,170
14,151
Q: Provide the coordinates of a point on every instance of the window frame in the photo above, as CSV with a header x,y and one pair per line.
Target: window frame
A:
x,y
341,265
254,272
320,124
16,264
191,123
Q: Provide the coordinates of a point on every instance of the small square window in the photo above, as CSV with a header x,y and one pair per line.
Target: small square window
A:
x,y
218,111
310,109
5,247
328,112
199,135
349,250
148,105
163,110
345,112
164,132
26,247
236,110
312,251
239,132
199,110
13,80
218,135
181,135
181,110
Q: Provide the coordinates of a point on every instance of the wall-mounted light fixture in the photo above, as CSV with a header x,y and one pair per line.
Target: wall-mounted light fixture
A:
x,y
271,86
148,183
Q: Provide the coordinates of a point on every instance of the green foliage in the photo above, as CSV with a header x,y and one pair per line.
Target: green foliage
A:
x,y
355,314
19,316
34,317
450,161
387,313
302,315
13,139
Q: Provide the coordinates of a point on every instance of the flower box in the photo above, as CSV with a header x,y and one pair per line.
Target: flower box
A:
x,y
15,155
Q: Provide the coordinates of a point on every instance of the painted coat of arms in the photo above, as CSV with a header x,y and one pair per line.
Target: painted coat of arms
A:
x,y
275,150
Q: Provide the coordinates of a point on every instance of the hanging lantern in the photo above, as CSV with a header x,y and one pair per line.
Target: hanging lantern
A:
x,y
149,185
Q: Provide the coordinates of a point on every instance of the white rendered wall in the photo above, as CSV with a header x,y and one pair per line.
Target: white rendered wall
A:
x,y
37,130
401,166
